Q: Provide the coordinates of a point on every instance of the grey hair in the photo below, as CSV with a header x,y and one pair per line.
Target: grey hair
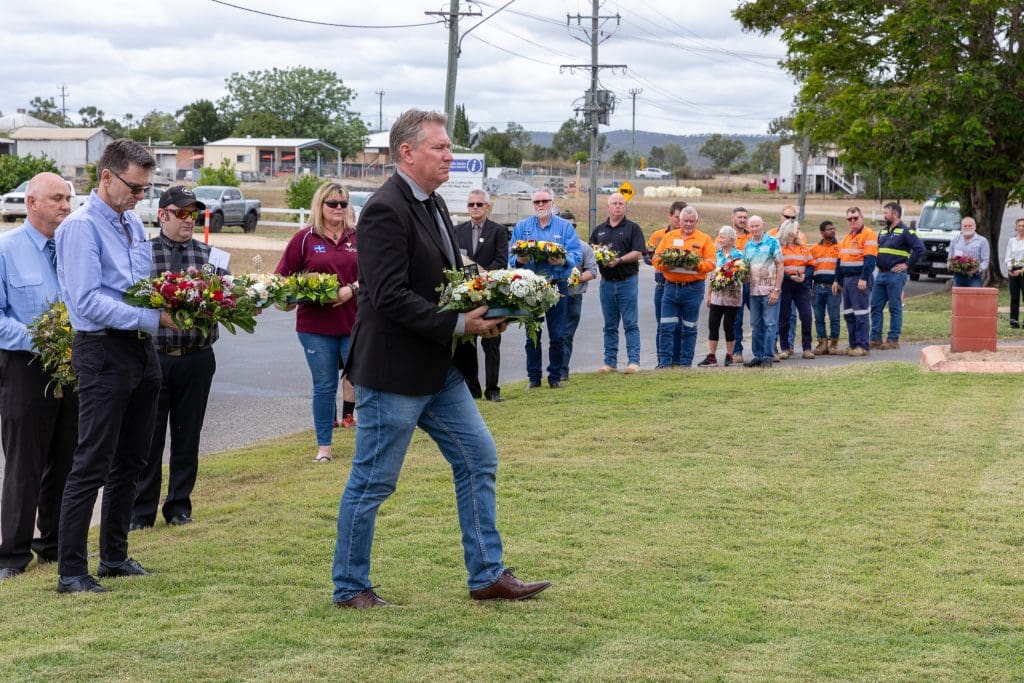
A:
x,y
545,189
408,128
689,211
482,193
121,153
788,232
727,232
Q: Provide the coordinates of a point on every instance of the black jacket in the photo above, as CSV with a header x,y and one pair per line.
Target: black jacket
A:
x,y
492,248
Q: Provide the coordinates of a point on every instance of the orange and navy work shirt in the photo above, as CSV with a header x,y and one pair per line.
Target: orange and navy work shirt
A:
x,y
858,252
796,259
825,259
697,242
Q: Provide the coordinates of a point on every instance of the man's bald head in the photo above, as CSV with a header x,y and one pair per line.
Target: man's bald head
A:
x,y
47,202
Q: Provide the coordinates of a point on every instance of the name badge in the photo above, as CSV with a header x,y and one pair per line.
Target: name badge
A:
x,y
678,243
319,249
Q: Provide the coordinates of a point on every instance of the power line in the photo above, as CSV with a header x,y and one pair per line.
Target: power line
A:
x,y
317,23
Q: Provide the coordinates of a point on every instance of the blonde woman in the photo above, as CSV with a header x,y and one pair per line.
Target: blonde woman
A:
x,y
326,245
796,288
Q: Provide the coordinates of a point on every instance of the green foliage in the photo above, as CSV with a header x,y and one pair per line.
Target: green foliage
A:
x,y
460,127
299,192
517,135
620,159
722,151
297,102
94,180
198,122
225,175
572,138
46,110
764,158
15,169
498,148
155,126
915,88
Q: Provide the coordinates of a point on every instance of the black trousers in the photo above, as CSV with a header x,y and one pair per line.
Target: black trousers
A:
x,y
118,385
184,393
39,433
1014,281
466,362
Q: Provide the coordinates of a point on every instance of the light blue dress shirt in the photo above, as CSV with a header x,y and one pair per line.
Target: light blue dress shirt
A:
x,y
558,230
96,265
28,284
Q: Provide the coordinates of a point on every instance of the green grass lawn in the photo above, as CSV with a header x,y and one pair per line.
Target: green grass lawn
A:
x,y
863,522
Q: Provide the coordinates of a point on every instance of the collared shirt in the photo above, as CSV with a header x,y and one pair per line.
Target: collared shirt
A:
x,y
765,258
308,252
194,254
697,242
898,244
652,244
733,296
858,252
1014,253
28,284
977,248
559,231
589,263
825,257
623,238
96,265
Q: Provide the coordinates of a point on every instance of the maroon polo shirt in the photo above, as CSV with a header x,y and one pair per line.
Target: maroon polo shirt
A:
x,y
308,252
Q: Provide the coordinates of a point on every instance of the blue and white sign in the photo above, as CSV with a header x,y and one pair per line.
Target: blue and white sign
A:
x,y
467,173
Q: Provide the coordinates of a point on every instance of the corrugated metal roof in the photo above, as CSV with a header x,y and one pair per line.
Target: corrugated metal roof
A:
x,y
19,120
381,140
267,142
38,133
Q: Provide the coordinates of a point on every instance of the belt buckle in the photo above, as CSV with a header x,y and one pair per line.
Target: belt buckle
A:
x,y
174,351
141,336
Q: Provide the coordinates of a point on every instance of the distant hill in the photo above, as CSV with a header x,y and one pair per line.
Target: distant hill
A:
x,y
623,139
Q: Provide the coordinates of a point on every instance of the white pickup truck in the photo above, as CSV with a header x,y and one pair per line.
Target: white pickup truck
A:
x,y
12,204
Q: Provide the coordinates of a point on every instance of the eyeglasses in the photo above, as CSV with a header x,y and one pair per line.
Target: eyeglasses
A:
x,y
336,203
537,202
134,189
182,214
850,219
475,205
789,218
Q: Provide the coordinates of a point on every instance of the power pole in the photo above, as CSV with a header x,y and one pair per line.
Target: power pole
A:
x,y
63,103
451,18
380,110
632,154
805,157
598,104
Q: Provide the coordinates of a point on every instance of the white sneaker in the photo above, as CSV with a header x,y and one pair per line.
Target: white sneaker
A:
x,y
632,369
605,369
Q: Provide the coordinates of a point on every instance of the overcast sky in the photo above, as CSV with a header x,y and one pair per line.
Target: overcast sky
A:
x,y
698,71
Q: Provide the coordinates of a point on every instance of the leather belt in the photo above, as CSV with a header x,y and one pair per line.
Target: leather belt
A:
x,y
180,350
137,335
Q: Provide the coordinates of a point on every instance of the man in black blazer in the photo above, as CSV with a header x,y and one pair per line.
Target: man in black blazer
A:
x,y
486,243
400,363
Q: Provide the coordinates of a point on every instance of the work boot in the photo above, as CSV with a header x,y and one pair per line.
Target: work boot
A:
x,y
876,343
808,355
822,348
889,345
857,351
833,345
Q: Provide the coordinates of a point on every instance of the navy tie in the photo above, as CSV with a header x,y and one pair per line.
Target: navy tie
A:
x,y
51,251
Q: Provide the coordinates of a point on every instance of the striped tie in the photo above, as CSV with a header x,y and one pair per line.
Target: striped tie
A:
x,y
51,251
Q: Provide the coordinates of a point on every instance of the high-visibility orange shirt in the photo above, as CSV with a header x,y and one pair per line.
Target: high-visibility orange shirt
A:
x,y
652,241
825,256
741,239
697,242
795,258
855,249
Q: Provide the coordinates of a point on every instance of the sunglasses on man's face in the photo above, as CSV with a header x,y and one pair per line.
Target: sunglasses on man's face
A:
x,y
789,218
538,202
336,203
851,219
475,205
182,214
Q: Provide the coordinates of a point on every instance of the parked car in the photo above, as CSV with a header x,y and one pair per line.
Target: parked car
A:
x,y
227,206
146,207
609,188
653,172
358,200
12,204
939,223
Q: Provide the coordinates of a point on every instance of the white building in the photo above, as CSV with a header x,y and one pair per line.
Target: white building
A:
x,y
70,148
274,156
825,175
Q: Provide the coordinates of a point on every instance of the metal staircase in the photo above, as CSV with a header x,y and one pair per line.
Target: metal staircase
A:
x,y
840,181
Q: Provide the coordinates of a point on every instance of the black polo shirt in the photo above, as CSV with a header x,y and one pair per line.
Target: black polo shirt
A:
x,y
623,238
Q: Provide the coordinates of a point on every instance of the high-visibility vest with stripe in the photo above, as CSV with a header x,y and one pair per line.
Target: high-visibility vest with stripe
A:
x,y
825,257
795,258
855,247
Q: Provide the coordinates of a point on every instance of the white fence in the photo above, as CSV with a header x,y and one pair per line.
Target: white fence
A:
x,y
303,215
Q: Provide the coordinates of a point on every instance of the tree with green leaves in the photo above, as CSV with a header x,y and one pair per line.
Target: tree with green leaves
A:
x,y
155,126
308,102
620,159
14,169
722,151
765,157
572,141
461,127
912,88
200,122
517,135
46,110
497,148
224,175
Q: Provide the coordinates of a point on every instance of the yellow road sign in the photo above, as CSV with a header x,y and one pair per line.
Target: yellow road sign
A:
x,y
626,190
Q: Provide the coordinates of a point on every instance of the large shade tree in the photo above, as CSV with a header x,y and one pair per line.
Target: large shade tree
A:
x,y
911,88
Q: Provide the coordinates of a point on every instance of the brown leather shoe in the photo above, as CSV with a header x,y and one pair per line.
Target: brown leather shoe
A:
x,y
508,587
364,600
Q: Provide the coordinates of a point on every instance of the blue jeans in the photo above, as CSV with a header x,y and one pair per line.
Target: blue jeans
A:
x,y
325,355
554,321
966,280
573,310
888,289
618,302
824,300
737,348
856,311
764,325
680,309
386,424
659,293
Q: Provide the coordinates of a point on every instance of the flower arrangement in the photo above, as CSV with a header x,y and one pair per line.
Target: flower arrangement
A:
x,y
679,258
964,265
514,293
733,272
574,278
263,289
51,338
1016,264
312,288
538,250
603,253
196,299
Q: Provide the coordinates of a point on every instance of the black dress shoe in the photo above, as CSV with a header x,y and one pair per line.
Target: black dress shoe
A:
x,y
129,567
753,363
180,520
83,584
138,524
364,600
42,558
555,384
533,385
509,587
494,396
10,573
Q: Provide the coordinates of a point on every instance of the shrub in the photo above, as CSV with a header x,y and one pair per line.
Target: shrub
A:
x,y
299,193
14,169
225,175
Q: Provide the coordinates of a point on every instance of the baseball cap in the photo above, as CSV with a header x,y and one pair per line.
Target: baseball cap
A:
x,y
180,196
